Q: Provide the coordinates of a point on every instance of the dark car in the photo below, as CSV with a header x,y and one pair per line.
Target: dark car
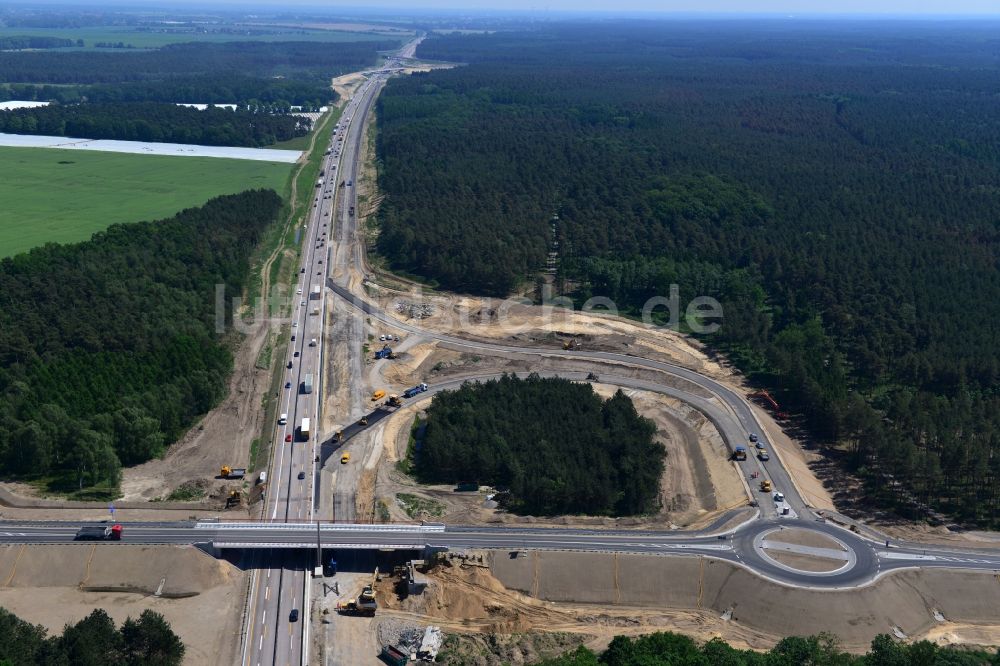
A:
x,y
294,615
296,354
288,385
293,338
289,364
302,475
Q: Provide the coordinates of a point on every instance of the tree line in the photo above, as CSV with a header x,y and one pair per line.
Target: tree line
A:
x,y
824,191
109,349
669,649
147,641
551,446
315,61
18,42
152,121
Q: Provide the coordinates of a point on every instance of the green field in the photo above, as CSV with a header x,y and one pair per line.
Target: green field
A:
x,y
149,40
64,196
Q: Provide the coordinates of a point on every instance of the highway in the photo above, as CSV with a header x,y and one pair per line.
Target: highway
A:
x,y
280,581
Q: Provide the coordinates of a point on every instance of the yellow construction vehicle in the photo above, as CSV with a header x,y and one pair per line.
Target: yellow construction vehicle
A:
x,y
571,344
765,486
394,401
363,421
344,459
339,435
235,498
378,395
365,604
228,472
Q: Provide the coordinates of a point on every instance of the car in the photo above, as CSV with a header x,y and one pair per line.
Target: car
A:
x,y
289,365
763,455
319,272
302,270
760,445
293,340
397,338
320,261
344,459
302,475
295,324
288,385
779,496
295,355
298,291
294,615
381,338
288,437
753,437
302,303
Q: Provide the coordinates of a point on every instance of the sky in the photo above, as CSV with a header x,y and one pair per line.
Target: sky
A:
x,y
781,7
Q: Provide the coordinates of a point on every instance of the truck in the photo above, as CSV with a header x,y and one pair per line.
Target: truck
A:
x,y
740,453
99,533
378,395
315,311
765,486
228,472
307,383
316,292
262,478
304,430
385,352
283,419
410,392
319,183
394,401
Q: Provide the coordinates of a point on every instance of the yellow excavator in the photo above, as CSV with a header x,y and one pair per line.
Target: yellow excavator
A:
x,y
364,604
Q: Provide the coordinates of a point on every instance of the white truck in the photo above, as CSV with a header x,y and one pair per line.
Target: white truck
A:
x,y
304,430
317,291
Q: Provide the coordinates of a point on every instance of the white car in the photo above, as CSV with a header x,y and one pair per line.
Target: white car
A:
x,y
779,497
298,291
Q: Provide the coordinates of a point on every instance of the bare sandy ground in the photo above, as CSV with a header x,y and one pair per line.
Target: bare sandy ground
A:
x,y
199,596
601,595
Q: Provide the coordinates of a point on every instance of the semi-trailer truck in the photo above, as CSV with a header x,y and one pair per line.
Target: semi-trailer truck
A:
x,y
307,384
410,392
99,533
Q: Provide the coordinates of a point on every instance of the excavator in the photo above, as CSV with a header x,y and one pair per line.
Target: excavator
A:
x,y
364,604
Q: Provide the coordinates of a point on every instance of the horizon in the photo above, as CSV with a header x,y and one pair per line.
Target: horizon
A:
x,y
677,9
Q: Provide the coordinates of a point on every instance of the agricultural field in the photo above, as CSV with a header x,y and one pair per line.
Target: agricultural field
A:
x,y
64,196
142,39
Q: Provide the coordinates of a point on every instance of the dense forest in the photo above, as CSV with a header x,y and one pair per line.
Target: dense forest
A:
x,y
833,185
152,121
299,60
109,349
670,649
148,641
256,93
551,446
